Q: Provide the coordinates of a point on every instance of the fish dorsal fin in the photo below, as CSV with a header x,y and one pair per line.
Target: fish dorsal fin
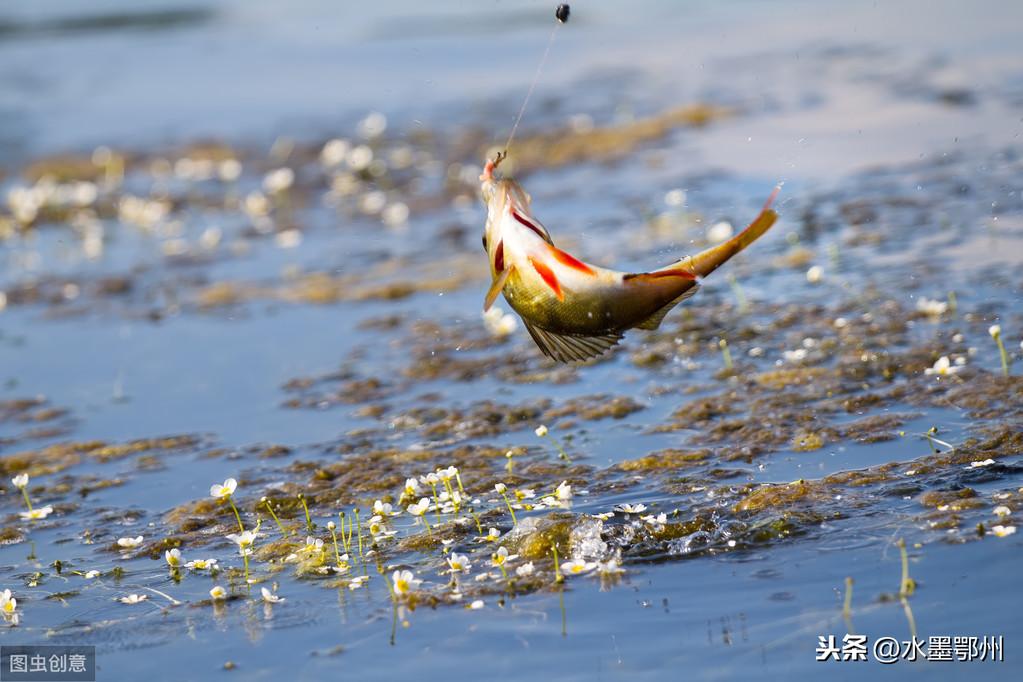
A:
x,y
654,321
496,287
569,348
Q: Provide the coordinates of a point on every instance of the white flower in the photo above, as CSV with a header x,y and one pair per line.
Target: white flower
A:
x,y
91,574
382,508
373,125
720,231
500,488
982,463
218,593
229,170
269,597
660,519
35,514
378,529
492,535
499,323
225,489
564,491
632,508
431,479
202,564
931,307
244,540
312,545
20,481
357,582
525,569
1003,531
577,566
477,605
458,563
419,508
173,557
541,431
411,486
8,604
942,367
331,525
794,356
815,274
278,180
334,152
129,543
134,599
525,494
404,582
1002,510
995,330
501,556
609,567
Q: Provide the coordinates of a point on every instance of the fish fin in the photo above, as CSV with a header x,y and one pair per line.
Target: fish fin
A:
x,y
654,321
496,288
569,348
706,262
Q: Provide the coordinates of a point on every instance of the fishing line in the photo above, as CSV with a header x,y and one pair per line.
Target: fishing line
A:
x,y
561,15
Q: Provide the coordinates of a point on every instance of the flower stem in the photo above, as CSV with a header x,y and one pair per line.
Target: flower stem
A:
x,y
348,537
562,454
510,510
237,516
308,520
907,585
337,554
24,492
558,578
277,520
726,354
476,518
847,604
458,477
436,502
358,524
740,295
1005,356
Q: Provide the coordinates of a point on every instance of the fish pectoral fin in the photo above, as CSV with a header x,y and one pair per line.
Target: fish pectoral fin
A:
x,y
570,348
654,321
496,288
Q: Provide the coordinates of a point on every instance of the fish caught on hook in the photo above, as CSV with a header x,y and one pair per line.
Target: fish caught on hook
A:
x,y
575,310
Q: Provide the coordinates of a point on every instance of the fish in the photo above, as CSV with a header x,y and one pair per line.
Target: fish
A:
x,y
574,310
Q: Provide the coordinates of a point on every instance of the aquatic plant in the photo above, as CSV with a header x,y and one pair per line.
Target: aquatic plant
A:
x,y
224,491
995,331
21,483
501,489
543,432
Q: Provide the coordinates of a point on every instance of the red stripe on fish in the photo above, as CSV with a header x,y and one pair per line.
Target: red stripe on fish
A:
x,y
528,223
548,277
499,256
571,261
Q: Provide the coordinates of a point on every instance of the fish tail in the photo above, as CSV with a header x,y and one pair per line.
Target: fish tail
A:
x,y
706,262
